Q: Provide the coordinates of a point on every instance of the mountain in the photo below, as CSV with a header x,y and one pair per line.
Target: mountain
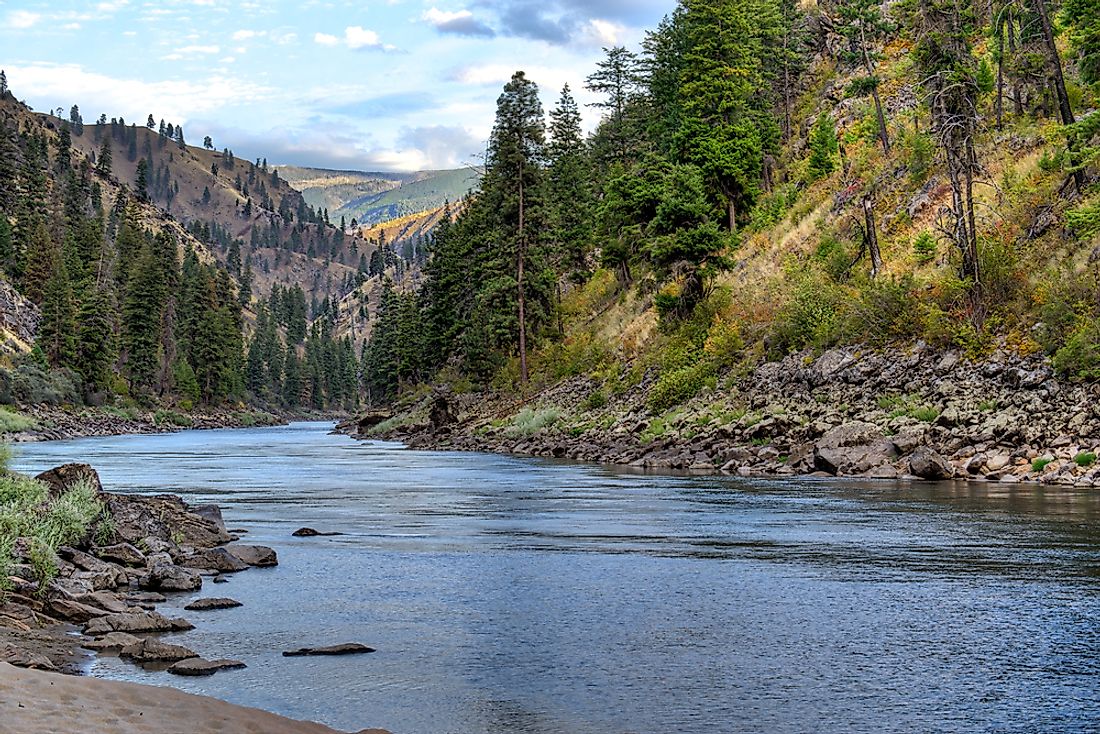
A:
x,y
372,198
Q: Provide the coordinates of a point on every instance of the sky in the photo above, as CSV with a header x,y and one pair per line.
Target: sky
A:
x,y
377,85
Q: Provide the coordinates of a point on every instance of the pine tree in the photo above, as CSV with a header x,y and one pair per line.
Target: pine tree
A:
x,y
95,344
1082,17
568,189
823,147
43,256
141,185
142,311
865,25
57,331
103,160
616,78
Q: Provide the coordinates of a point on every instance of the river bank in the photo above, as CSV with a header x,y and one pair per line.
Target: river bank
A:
x,y
58,423
99,597
918,413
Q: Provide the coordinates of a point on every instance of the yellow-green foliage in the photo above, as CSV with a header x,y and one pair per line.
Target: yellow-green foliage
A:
x,y
529,421
12,422
26,511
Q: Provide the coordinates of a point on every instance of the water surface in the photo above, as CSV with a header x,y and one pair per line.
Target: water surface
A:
x,y
537,597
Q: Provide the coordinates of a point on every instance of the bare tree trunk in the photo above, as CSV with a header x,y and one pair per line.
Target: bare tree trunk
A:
x,y
786,88
732,214
870,234
999,102
522,256
1017,98
882,133
972,241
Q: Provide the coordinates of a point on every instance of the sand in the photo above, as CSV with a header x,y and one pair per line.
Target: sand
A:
x,y
35,702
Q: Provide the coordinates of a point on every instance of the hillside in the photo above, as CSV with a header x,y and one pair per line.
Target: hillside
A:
x,y
372,198
670,278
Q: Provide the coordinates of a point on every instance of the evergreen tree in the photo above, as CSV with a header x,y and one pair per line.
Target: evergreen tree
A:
x,y
95,343
823,148
142,311
103,160
57,331
141,186
865,25
568,189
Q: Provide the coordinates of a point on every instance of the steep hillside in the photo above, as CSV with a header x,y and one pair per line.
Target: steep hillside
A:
x,y
372,198
245,212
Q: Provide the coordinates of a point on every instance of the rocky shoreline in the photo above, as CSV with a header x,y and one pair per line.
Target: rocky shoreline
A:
x,y
53,423
107,587
917,413
101,599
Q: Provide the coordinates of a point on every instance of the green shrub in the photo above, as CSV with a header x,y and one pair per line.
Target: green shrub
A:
x,y
823,148
882,310
1085,458
595,401
1039,464
12,422
388,425
1079,358
528,421
165,417
679,385
32,384
924,247
908,405
811,316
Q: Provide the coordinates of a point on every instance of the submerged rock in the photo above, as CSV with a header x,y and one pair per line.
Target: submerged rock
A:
x,y
347,648
311,533
197,666
202,605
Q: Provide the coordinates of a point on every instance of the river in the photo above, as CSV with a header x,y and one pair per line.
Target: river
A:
x,y
538,597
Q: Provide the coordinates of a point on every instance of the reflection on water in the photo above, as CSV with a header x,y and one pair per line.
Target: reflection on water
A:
x,y
510,595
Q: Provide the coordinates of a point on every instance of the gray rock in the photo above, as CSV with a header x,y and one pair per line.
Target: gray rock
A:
x,y
150,650
197,666
111,642
202,605
123,553
347,648
926,463
215,559
169,577
136,622
254,555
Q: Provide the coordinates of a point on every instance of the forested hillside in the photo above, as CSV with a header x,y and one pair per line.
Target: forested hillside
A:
x,y
117,301
769,177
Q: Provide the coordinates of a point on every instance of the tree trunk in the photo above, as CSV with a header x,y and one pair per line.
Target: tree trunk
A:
x,y
1017,98
1064,108
786,88
882,133
521,257
999,102
870,233
732,214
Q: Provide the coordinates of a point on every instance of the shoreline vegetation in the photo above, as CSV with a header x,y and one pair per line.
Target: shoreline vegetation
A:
x,y
81,574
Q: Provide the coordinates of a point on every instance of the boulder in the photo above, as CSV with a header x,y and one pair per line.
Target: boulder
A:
x,y
150,650
926,463
143,621
165,517
202,605
169,577
122,553
198,666
853,448
63,477
103,575
347,648
215,559
71,610
254,555
111,642
22,659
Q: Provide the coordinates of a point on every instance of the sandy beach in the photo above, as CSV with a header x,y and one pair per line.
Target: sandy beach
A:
x,y
33,702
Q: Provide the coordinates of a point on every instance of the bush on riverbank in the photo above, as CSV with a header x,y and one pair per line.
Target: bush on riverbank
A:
x,y
44,523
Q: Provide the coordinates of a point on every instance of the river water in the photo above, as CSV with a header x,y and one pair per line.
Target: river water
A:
x,y
537,597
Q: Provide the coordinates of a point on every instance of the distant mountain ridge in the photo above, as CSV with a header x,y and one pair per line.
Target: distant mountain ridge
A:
x,y
373,197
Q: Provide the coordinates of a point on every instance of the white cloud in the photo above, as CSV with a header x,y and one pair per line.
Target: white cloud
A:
x,y
190,50
604,32
111,6
22,19
244,35
357,37
174,100
438,17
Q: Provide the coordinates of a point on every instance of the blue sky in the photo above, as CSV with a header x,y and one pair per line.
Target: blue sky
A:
x,y
372,85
